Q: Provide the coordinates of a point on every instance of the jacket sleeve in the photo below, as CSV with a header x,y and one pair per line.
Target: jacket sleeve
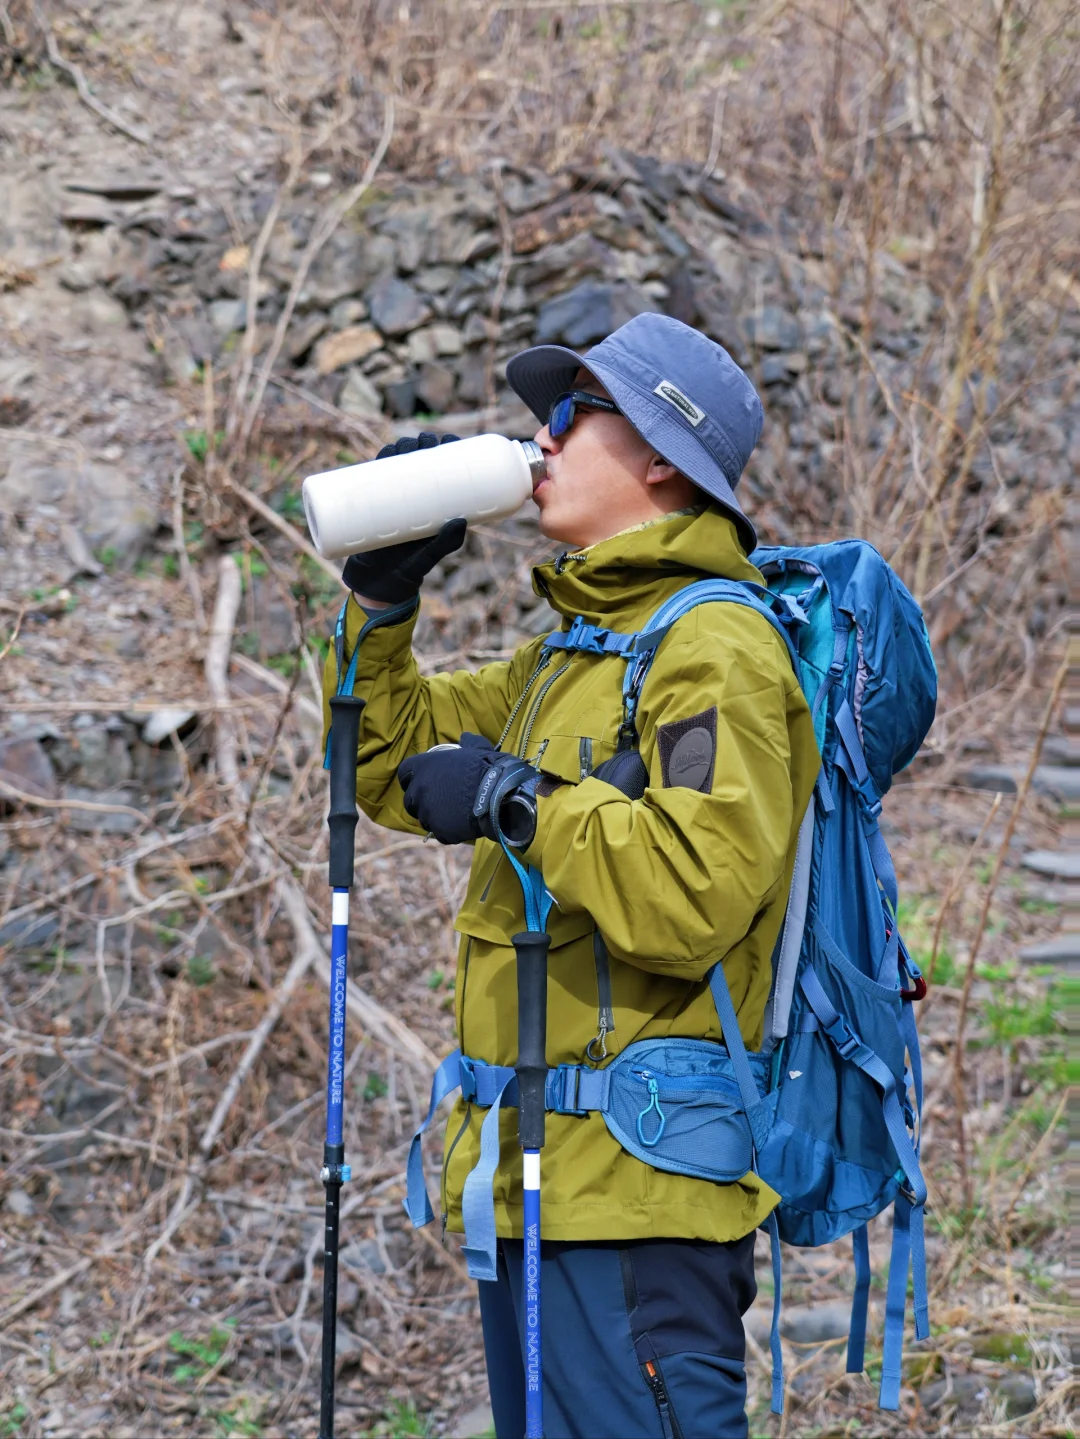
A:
x,y
676,879
405,713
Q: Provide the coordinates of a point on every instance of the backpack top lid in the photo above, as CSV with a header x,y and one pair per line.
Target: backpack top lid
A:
x,y
893,687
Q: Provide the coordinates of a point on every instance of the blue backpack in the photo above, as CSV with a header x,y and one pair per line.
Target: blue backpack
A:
x,y
828,1111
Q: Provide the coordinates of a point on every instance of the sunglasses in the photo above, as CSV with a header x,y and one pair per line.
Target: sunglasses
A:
x,y
564,410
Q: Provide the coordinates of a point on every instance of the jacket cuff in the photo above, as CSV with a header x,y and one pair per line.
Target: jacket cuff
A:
x,y
380,634
548,804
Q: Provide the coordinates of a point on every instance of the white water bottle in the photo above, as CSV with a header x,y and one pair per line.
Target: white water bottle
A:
x,y
407,497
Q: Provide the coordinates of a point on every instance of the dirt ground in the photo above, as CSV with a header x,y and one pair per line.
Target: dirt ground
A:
x,y
162,889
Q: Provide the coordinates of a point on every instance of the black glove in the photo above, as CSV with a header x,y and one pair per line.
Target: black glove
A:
x,y
394,574
455,792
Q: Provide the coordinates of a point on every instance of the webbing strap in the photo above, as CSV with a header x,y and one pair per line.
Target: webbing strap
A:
x,y
417,1204
850,1047
852,761
569,1088
895,1305
478,1198
774,1330
753,1104
860,1303
593,640
835,671
911,1039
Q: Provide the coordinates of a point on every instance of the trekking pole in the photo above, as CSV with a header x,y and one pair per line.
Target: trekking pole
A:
x,y
531,948
345,713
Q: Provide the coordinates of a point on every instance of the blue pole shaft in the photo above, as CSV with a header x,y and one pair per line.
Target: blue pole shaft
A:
x,y
534,1371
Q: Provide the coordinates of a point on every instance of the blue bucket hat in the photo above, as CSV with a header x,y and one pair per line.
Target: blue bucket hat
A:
x,y
681,391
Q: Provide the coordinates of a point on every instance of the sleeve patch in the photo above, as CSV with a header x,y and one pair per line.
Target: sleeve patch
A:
x,y
688,751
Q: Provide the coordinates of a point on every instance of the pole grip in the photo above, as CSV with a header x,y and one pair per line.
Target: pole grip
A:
x,y
531,948
345,711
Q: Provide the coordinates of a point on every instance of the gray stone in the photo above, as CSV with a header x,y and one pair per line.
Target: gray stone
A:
x,y
25,766
360,397
30,931
997,778
478,1421
772,328
94,821
966,1391
436,279
1062,781
397,307
363,1254
20,1203
1061,750
164,722
346,313
400,398
303,332
103,758
815,1323
1019,1393
435,388
345,265
590,312
227,316
1061,948
78,552
1054,864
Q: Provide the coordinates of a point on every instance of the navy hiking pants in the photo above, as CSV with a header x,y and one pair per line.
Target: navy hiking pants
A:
x,y
641,1340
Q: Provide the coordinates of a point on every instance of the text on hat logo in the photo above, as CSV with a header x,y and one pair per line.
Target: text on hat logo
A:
x,y
674,396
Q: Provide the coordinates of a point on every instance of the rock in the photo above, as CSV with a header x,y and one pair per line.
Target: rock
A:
x,y
55,1419
435,388
436,279
19,1202
111,509
435,341
165,722
92,821
1062,781
1061,864
346,313
965,1391
30,931
304,332
396,307
815,1323
360,397
346,347
364,1254
772,328
1061,750
996,778
228,316
400,398
1061,948
590,312
78,551
345,265
102,757
477,1422
25,766
1019,1393
783,369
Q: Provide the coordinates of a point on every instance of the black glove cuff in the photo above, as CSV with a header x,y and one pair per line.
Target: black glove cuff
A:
x,y
390,587
505,807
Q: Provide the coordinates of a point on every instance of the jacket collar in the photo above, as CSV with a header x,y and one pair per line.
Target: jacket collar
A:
x,y
619,582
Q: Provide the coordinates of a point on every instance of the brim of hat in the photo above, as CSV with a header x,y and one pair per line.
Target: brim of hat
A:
x,y
540,375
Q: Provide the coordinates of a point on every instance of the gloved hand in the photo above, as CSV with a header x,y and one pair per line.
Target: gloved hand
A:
x,y
394,574
454,792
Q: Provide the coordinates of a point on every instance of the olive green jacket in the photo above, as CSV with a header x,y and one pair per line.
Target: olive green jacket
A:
x,y
673,882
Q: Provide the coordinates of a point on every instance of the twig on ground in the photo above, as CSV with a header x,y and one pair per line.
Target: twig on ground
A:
x,y
187,573
78,79
283,527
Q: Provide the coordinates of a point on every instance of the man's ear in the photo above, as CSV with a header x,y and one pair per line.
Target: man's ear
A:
x,y
660,471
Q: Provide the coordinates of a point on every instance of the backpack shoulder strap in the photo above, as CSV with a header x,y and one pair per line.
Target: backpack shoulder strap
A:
x,y
781,611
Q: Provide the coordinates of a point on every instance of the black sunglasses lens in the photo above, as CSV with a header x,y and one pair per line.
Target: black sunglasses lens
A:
x,y
561,417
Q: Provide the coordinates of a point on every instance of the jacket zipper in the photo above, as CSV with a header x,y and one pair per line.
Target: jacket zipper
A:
x,y
545,657
655,1380
585,757
537,702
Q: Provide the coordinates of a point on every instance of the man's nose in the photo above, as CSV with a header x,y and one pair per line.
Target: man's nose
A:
x,y
544,440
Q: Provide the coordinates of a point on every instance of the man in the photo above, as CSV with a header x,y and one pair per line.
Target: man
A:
x,y
646,1274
